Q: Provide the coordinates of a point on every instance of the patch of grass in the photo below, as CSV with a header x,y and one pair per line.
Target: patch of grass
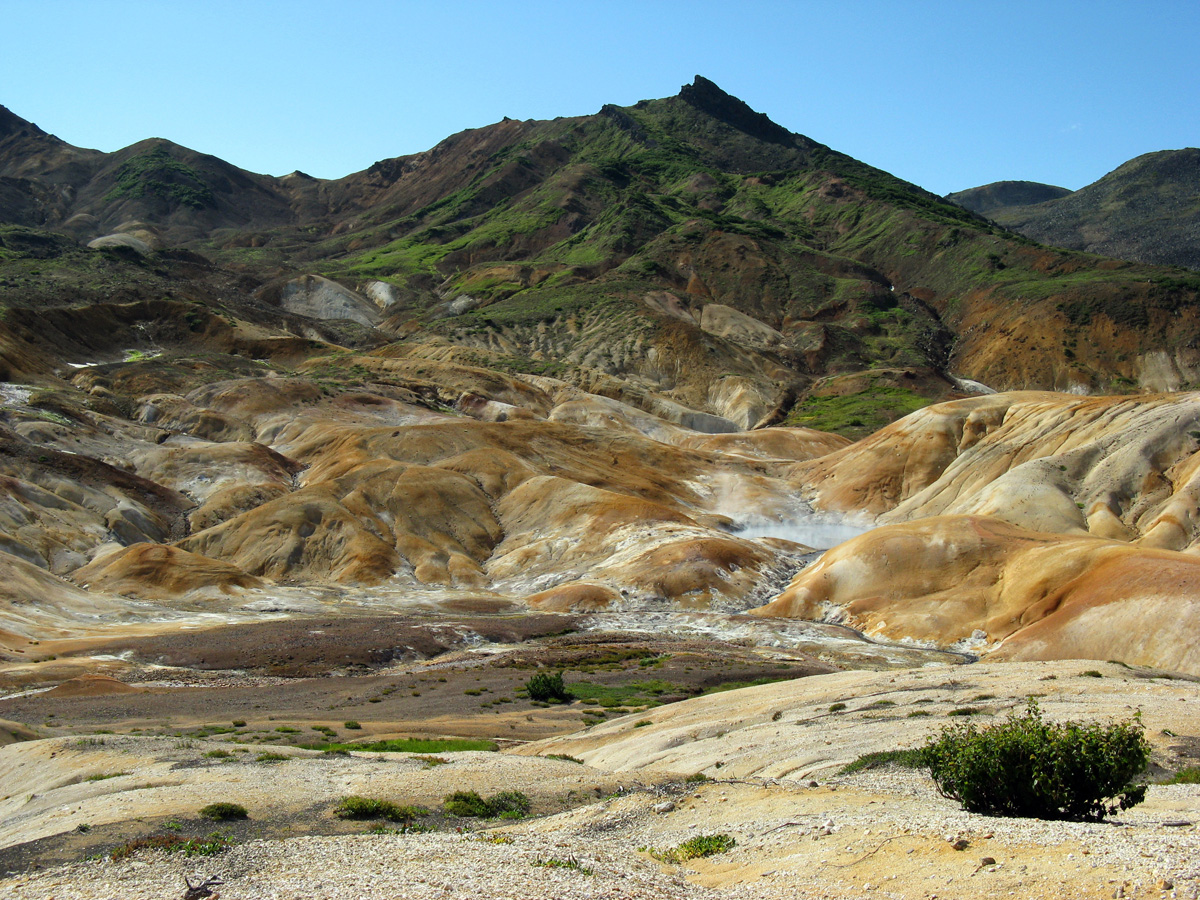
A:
x,y
272,757
172,843
224,812
753,682
352,725
105,777
837,707
963,711
696,778
908,759
564,758
635,693
411,745
1091,673
700,846
354,807
856,415
1189,775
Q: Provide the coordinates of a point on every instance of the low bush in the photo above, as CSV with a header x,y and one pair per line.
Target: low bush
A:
x,y
370,808
544,687
506,804
1027,766
224,812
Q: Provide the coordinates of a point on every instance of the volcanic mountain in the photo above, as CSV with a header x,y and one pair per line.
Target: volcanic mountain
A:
x,y
578,365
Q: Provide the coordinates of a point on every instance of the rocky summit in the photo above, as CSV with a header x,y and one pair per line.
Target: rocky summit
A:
x,y
315,488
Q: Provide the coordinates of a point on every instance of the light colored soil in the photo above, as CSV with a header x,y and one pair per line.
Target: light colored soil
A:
x,y
882,833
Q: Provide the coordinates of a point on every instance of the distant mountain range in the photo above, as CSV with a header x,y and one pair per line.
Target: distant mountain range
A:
x,y
1147,210
687,246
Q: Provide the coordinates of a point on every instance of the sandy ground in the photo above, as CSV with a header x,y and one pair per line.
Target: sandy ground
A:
x,y
801,829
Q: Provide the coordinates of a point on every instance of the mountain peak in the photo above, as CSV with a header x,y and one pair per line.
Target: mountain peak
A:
x,y
11,123
707,97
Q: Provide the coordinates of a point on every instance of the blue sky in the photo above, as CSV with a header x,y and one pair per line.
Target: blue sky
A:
x,y
948,95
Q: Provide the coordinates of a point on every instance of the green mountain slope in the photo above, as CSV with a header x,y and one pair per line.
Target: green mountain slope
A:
x,y
1147,210
686,248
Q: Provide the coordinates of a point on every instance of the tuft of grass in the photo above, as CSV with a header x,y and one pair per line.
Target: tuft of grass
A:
x,y
700,846
1091,673
218,754
963,711
837,707
909,759
696,778
172,843
106,776
352,725
430,761
272,757
564,758
570,862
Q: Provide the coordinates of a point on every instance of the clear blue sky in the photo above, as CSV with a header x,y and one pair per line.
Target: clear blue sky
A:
x,y
948,95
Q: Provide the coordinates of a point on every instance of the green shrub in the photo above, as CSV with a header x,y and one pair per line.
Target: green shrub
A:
x,y
544,687
352,725
1027,766
466,803
224,812
506,804
370,808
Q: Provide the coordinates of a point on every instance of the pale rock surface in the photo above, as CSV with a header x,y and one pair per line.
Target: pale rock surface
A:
x,y
321,298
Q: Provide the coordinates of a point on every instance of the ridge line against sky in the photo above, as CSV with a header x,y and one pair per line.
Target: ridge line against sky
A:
x,y
945,95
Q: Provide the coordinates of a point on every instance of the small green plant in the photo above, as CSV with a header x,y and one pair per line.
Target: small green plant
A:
x,y
700,846
239,723
1092,673
352,725
370,808
837,707
224,812
696,778
218,754
272,757
105,777
1029,767
963,711
546,687
642,723
564,758
569,863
